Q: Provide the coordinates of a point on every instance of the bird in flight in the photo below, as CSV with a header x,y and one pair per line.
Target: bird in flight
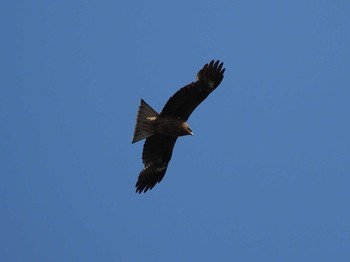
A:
x,y
162,130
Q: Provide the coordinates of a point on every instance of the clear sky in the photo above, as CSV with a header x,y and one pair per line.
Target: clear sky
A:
x,y
266,176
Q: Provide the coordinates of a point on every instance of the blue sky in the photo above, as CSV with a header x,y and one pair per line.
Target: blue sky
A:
x,y
266,176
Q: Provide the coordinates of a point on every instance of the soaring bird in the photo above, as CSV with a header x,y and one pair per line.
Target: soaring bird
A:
x,y
162,130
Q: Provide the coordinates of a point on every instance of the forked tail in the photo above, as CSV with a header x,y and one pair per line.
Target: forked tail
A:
x,y
144,122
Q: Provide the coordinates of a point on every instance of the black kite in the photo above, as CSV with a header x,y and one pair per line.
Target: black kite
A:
x,y
162,130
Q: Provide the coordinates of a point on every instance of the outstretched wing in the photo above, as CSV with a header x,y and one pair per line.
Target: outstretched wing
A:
x,y
157,152
185,101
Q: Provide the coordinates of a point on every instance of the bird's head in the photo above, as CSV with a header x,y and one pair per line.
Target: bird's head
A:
x,y
187,130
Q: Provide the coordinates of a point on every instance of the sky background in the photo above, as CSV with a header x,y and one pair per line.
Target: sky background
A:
x,y
265,177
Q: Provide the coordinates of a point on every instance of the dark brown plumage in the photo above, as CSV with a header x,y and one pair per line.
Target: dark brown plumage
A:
x,y
162,130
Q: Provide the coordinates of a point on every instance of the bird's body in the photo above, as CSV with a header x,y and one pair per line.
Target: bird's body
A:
x,y
162,130
149,122
172,126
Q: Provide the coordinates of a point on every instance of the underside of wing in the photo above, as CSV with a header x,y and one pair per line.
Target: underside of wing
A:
x,y
156,155
185,101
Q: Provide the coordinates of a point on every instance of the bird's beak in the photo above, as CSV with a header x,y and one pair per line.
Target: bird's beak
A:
x,y
191,133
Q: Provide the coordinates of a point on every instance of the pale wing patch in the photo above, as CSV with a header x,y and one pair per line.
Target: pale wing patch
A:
x,y
162,168
211,85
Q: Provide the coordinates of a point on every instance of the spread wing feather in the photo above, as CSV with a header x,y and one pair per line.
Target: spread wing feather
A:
x,y
185,101
157,152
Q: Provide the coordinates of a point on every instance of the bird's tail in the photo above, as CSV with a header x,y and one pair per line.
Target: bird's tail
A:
x,y
145,119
